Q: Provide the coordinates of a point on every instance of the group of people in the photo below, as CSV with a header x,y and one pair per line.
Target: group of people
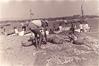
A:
x,y
84,27
20,33
72,35
38,30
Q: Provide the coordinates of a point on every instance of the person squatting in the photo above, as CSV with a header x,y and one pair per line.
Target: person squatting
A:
x,y
39,32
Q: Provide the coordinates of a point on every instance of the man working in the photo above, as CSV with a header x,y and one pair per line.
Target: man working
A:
x,y
36,27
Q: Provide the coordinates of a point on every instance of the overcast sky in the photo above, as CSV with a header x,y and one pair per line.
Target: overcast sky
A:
x,y
19,9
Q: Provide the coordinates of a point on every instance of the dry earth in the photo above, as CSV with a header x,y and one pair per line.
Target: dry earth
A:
x,y
12,53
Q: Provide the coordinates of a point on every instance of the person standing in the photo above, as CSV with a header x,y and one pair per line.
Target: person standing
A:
x,y
23,27
72,29
60,27
16,31
81,27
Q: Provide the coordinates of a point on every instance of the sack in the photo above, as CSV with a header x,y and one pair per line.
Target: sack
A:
x,y
55,40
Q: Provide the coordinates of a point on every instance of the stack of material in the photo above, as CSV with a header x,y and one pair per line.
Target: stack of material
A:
x,y
61,37
55,39
68,54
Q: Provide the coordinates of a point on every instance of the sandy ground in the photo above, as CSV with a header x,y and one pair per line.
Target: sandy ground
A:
x,y
12,53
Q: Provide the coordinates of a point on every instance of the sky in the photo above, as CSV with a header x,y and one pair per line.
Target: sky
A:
x,y
20,9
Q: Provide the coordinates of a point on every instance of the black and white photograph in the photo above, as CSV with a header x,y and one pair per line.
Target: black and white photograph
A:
x,y
49,32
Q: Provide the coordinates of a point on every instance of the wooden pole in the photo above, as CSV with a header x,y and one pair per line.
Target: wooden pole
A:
x,y
82,11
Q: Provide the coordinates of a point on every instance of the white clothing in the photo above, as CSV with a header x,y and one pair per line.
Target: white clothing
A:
x,y
37,22
86,27
47,32
81,26
60,28
16,31
21,33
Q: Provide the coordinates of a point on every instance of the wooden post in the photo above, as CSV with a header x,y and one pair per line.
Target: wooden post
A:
x,y
82,11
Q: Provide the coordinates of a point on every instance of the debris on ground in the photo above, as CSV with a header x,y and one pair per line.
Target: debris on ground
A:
x,y
60,52
67,53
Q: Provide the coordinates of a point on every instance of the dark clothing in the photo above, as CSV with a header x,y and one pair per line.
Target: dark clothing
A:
x,y
72,29
81,30
72,35
39,39
24,28
36,30
45,25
